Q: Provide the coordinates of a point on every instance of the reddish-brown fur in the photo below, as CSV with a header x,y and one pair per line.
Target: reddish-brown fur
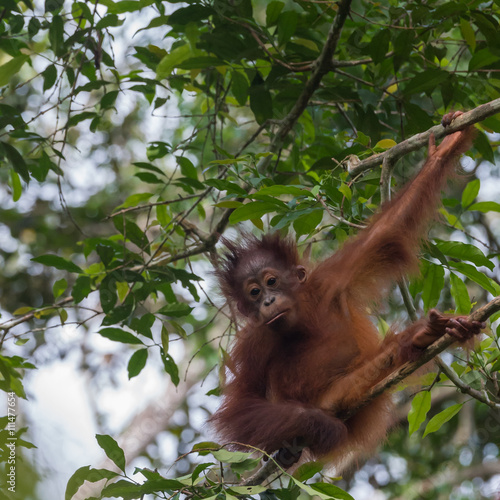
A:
x,y
292,375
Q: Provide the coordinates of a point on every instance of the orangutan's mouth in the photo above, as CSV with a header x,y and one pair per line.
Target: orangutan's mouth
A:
x,y
277,316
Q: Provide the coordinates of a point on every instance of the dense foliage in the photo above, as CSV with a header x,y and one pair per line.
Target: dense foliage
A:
x,y
134,133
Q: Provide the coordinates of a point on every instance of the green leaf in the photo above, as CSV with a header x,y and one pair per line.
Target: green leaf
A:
x,y
165,338
239,87
484,147
200,62
11,116
149,166
17,189
162,215
433,284
109,21
478,277
261,102
170,367
231,457
127,6
143,324
132,232
287,24
176,309
187,167
420,406
119,313
15,385
49,77
90,86
53,5
486,206
81,288
247,465
10,68
59,287
205,445
228,204
172,60
379,45
278,190
123,489
482,58
324,491
308,470
252,210
56,36
346,191
273,10
80,117
425,81
107,293
307,223
385,144
21,311
81,13
199,469
16,160
148,177
119,335
58,263
441,418
137,362
460,295
470,192
468,34
63,315
331,491
86,474
224,185
464,251
108,99
135,200
190,14
112,450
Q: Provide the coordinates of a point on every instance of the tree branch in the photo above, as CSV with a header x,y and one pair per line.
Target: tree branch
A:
x,y
419,140
481,314
321,67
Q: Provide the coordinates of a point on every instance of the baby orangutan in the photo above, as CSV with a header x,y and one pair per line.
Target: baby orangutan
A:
x,y
309,349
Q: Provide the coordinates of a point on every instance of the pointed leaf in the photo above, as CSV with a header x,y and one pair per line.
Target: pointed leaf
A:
x,y
460,295
119,335
420,406
58,263
86,474
433,284
112,450
10,68
441,418
252,210
470,192
137,362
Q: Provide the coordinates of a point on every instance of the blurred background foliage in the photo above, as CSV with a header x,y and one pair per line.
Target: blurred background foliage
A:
x,y
134,133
